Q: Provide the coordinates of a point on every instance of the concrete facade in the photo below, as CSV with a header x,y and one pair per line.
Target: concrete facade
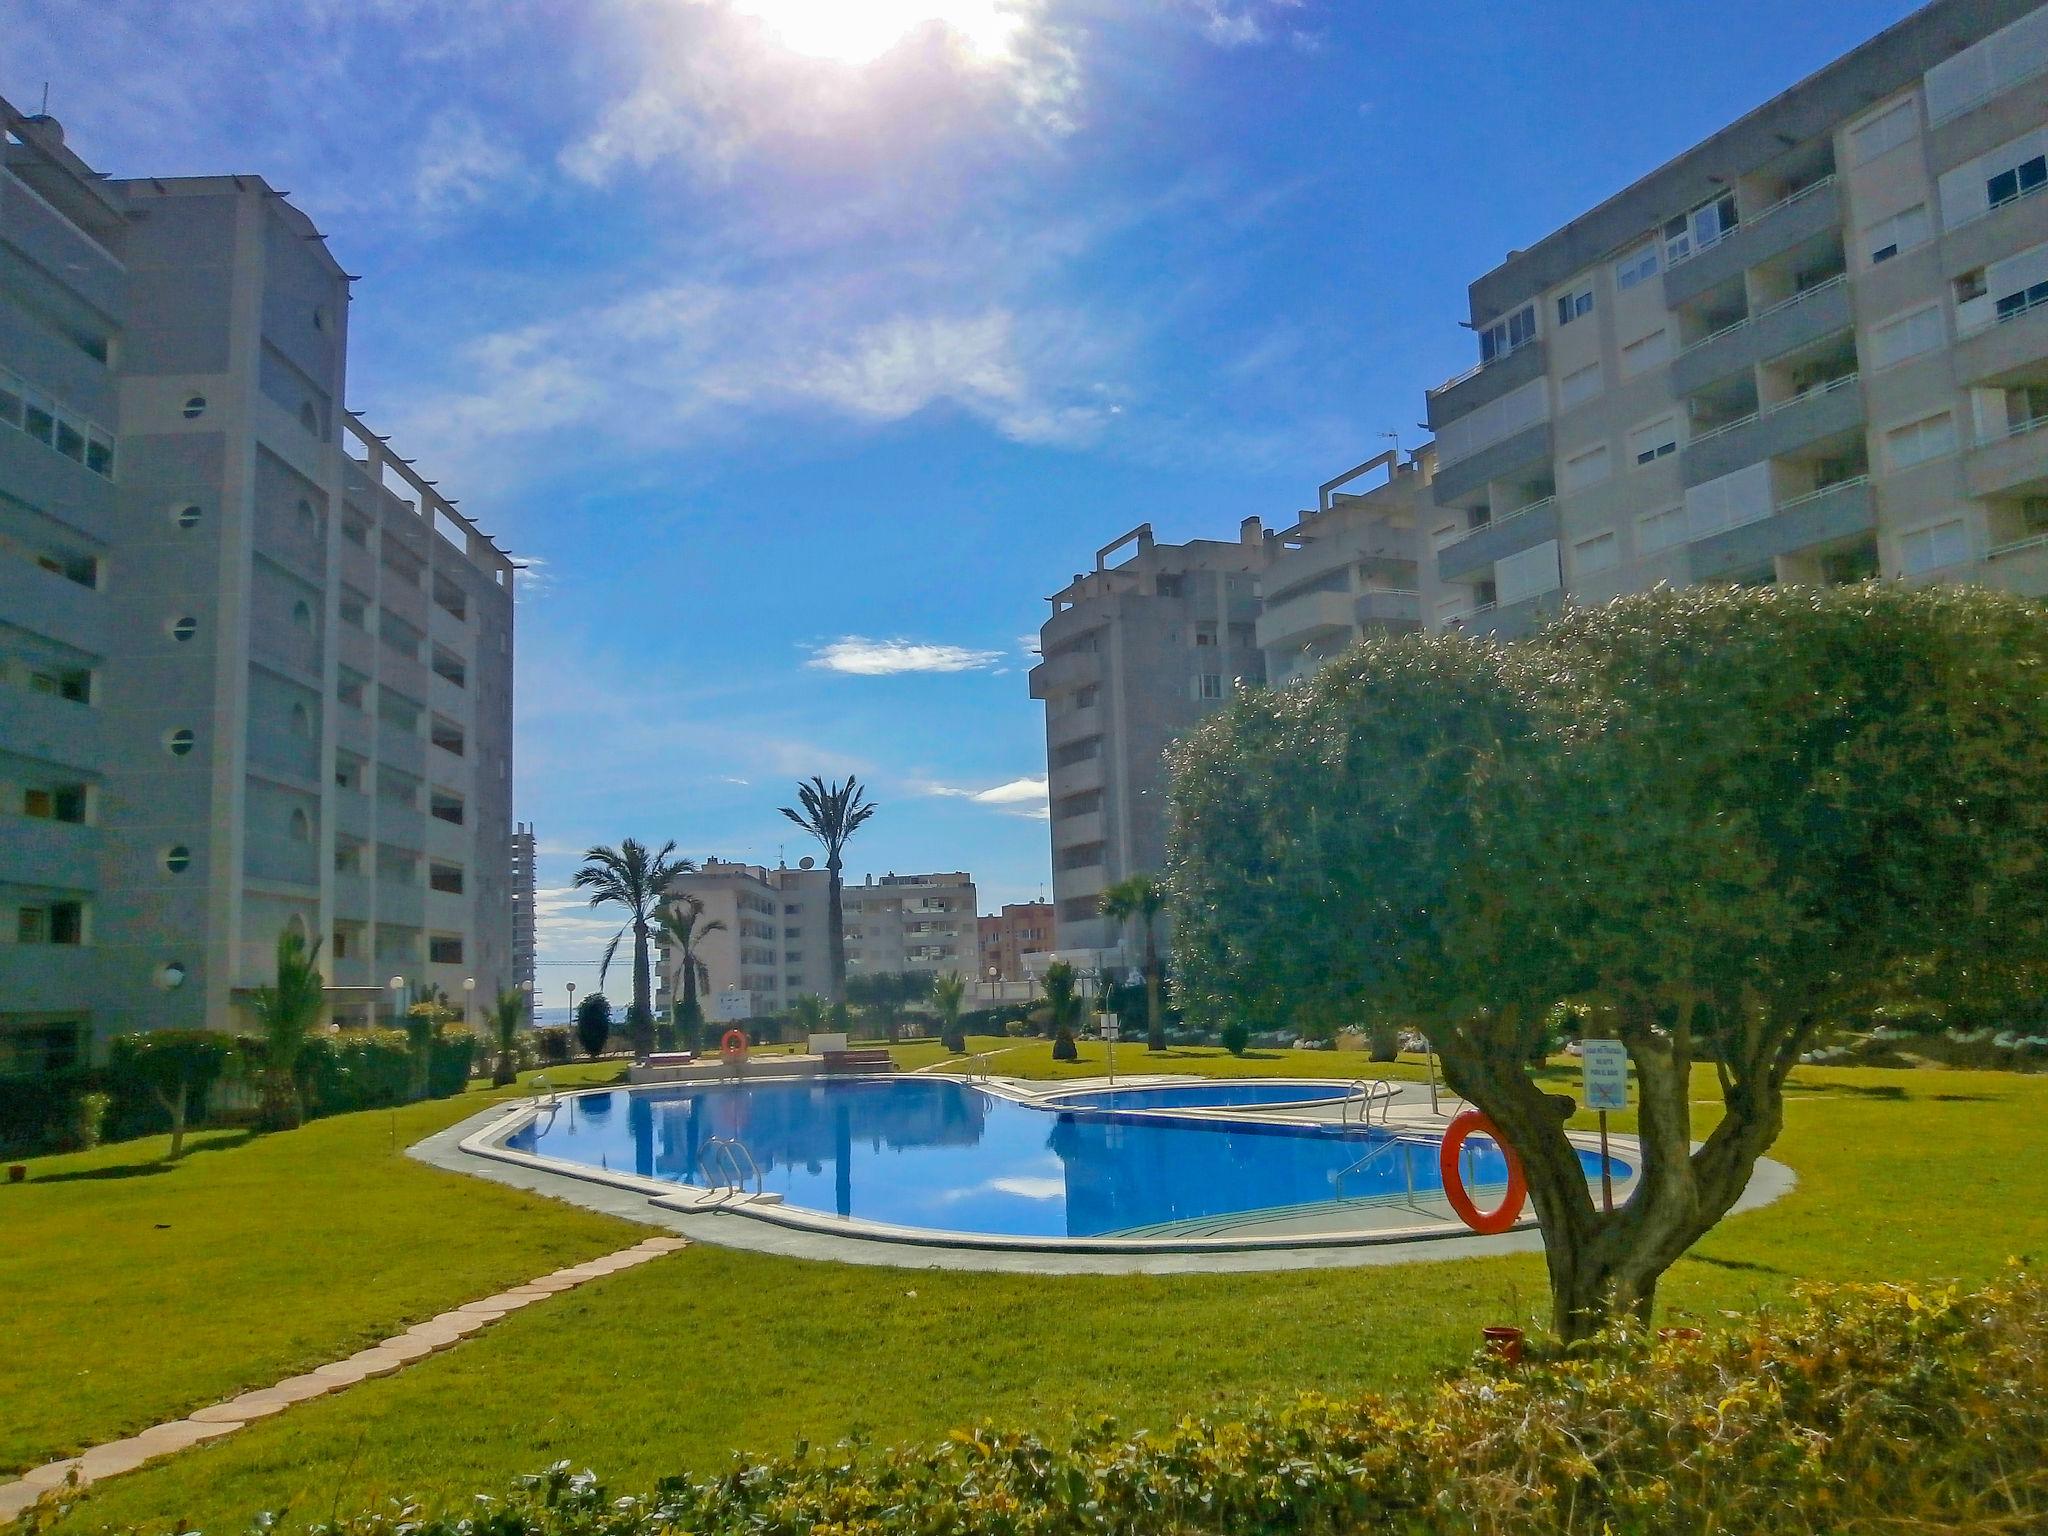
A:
x,y
524,877
258,672
1135,654
1814,348
1021,928
924,923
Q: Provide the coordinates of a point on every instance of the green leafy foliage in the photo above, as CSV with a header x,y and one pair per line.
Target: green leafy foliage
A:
x,y
593,1024
1874,1407
176,1068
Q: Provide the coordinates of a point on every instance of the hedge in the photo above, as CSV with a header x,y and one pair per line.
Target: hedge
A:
x,y
1874,1407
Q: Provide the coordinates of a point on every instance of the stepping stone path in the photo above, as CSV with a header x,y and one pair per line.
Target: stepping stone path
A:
x,y
416,1343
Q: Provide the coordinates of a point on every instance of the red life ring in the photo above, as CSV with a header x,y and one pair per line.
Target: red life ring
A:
x,y
734,1046
1503,1216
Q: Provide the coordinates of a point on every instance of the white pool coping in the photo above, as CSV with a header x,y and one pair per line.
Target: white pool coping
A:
x,y
488,1142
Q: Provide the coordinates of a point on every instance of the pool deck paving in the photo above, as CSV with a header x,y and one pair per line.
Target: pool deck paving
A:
x,y
434,1334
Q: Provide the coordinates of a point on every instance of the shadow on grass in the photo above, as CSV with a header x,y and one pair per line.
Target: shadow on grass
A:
x,y
227,1143
1748,1266
1969,1098
1855,1090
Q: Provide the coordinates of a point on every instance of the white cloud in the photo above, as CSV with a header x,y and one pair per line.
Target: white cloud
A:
x,y
1019,797
461,163
863,657
1237,23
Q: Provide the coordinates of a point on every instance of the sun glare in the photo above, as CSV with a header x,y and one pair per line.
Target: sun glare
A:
x,y
856,31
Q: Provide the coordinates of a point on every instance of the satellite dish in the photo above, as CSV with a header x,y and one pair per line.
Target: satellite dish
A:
x,y
806,862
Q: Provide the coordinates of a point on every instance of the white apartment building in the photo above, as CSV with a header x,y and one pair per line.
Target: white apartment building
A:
x,y
256,672
523,875
1813,348
1135,654
927,923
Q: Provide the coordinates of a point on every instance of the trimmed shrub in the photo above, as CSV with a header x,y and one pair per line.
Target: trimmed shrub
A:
x,y
552,1042
86,1121
1237,1037
1875,1407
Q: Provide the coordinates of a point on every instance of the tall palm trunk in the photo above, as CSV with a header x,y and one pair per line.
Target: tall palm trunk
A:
x,y
1155,1014
642,1022
835,937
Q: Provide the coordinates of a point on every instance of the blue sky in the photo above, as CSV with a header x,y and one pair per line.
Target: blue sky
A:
x,y
778,332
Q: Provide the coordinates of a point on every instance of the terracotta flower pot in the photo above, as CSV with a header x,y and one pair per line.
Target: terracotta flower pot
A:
x,y
16,1172
1504,1344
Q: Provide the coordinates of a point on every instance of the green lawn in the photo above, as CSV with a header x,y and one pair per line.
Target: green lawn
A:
x,y
1904,1175
137,1289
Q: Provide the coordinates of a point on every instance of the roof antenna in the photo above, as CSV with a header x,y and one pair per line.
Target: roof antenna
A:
x,y
46,98
1394,438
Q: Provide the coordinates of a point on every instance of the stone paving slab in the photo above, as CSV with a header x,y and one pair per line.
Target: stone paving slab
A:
x,y
442,1331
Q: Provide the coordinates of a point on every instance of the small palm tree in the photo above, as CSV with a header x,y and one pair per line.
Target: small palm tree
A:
x,y
631,877
832,814
949,992
807,1015
286,1013
1061,1011
507,1014
1140,897
681,927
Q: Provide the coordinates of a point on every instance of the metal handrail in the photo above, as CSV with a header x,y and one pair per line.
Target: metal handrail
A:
x,y
1971,105
1755,219
1497,522
1825,490
2037,541
1382,1149
2013,429
2010,315
1747,320
729,1150
1364,1091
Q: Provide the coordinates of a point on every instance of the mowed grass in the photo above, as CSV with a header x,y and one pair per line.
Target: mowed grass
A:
x,y
135,1289
681,1364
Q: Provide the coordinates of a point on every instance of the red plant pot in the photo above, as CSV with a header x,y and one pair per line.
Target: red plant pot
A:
x,y
1678,1335
1504,1344
16,1172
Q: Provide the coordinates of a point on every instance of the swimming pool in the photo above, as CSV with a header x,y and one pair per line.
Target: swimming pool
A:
x,y
1242,1093
951,1158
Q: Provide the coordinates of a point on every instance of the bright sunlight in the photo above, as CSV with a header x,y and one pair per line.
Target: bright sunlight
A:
x,y
857,31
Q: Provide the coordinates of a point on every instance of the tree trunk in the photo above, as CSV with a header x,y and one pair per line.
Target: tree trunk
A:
x,y
282,1110
175,1108
641,1023
1155,1014
835,934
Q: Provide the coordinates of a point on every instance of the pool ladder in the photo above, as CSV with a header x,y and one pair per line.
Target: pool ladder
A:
x,y
728,1155
1364,1091
1373,1156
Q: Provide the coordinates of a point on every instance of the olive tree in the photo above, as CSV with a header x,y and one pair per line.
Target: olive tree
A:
x,y
1711,820
176,1066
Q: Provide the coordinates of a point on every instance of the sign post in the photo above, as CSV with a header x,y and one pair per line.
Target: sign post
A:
x,y
732,1006
1109,1034
1606,1087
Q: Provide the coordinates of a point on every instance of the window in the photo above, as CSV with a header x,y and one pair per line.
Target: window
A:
x,y
446,735
302,614
179,743
1884,130
1645,353
99,452
1656,440
1580,385
1602,552
1919,441
350,688
56,922
1901,232
356,529
354,611
186,517
1205,633
444,806
309,419
60,802
446,878
72,683
1929,549
397,711
1638,266
1209,685
195,407
442,949
184,629
177,858
1508,335
301,721
1690,233
1244,637
1584,469
1907,335
1660,530
1527,573
339,949
2010,186
2010,306
448,666
348,774
301,825
1574,304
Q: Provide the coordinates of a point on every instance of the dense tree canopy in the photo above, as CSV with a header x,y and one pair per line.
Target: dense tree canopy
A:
x,y
1714,819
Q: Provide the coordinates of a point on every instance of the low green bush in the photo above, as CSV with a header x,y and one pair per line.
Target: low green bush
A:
x,y
1873,1408
1236,1036
552,1042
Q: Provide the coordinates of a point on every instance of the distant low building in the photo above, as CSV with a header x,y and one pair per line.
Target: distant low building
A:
x,y
1021,928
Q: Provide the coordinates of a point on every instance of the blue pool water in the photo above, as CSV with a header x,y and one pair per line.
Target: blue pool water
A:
x,y
1214,1095
935,1153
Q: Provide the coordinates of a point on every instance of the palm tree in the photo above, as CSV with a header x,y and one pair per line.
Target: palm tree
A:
x,y
636,880
1061,1010
948,993
832,814
681,927
287,1013
507,1014
1140,897
807,1015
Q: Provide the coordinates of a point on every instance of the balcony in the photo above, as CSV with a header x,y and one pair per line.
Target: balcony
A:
x,y
1498,461
1063,674
351,898
1824,411
1989,356
1074,778
45,603
1822,517
1806,317
50,729
49,978
401,749
1077,831
2013,464
1519,530
1514,621
1296,621
1810,211
1388,608
37,851
2020,566
1073,725
1464,394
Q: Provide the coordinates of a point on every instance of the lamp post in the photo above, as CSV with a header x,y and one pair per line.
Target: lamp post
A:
x,y
572,1005
468,994
991,983
397,985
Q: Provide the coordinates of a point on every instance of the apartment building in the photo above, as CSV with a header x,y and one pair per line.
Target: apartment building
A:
x,y
1813,348
925,923
1347,570
1135,653
524,879
1005,937
257,671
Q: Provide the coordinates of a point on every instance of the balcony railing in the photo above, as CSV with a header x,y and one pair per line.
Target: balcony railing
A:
x,y
1844,381
1826,490
1978,100
2017,546
2027,306
1498,522
1480,367
2018,197
1754,219
1783,304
